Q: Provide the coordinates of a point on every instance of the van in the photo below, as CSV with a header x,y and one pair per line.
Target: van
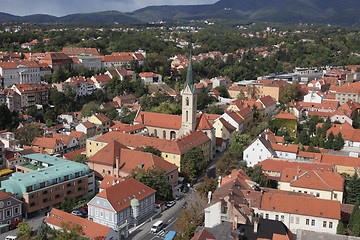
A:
x,y
11,238
157,226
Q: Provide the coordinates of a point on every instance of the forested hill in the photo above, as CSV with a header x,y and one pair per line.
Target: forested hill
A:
x,y
344,12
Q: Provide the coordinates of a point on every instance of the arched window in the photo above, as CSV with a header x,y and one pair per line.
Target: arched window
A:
x,y
187,116
164,134
155,133
187,101
172,135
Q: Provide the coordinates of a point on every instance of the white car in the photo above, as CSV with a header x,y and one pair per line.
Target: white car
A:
x,y
170,204
77,213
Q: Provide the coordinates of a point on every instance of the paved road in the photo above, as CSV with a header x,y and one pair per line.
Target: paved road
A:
x,y
169,217
34,223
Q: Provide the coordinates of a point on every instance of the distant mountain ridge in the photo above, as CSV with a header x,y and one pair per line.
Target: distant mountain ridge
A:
x,y
344,12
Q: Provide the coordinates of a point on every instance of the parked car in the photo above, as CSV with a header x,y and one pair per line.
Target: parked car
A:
x,y
85,208
77,213
178,197
170,204
14,225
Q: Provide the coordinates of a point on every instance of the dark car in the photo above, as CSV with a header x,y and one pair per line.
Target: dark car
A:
x,y
14,225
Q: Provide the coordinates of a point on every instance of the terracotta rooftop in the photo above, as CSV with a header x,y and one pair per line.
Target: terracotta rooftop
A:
x,y
276,165
300,205
109,181
285,115
89,229
45,142
162,120
293,148
120,195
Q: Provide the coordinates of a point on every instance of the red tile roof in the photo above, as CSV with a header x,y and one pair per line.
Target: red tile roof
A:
x,y
227,125
160,120
102,118
179,146
203,123
79,51
45,142
109,181
89,229
268,101
300,205
120,195
293,148
276,165
203,234
285,115
73,154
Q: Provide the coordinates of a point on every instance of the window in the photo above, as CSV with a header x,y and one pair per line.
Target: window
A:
x,y
317,194
155,133
8,213
267,216
330,224
187,116
307,221
164,134
282,218
187,101
291,219
297,220
324,224
277,217
335,195
313,222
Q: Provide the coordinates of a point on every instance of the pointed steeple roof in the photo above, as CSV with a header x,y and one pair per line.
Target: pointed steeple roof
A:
x,y
189,76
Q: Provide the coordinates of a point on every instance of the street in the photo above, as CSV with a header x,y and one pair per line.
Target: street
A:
x,y
34,223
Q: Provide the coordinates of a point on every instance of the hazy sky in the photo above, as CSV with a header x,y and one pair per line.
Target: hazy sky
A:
x,y
63,7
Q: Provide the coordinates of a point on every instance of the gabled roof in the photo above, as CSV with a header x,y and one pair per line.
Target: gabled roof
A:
x,y
235,117
203,123
102,78
276,165
78,135
102,118
267,101
285,115
203,234
300,205
108,154
313,179
71,51
230,128
161,120
65,139
340,160
120,195
109,181
179,146
88,124
89,229
45,142
292,148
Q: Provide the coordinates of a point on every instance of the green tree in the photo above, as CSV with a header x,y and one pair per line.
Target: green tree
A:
x,y
223,91
341,230
354,217
304,137
90,108
26,134
80,158
127,116
352,190
68,204
330,141
42,232
203,99
8,120
111,113
155,151
69,230
156,179
24,231
238,143
215,109
338,142
193,164
290,92
209,184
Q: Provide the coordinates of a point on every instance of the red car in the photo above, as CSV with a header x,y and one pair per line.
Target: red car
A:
x,y
14,225
85,208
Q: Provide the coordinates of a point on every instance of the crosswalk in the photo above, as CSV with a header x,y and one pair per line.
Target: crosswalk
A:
x,y
161,233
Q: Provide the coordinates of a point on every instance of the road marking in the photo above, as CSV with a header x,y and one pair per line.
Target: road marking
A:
x,y
170,219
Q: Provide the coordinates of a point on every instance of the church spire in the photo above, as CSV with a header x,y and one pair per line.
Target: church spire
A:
x,y
189,75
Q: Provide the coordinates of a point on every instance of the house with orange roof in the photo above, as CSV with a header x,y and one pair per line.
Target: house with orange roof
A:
x,y
81,85
88,128
350,135
20,72
342,164
70,143
100,80
57,219
272,88
121,73
346,112
268,104
76,51
273,167
122,205
223,130
101,122
117,160
125,99
80,137
47,145
235,91
109,181
322,184
32,94
150,77
348,91
203,234
171,150
300,212
57,60
235,120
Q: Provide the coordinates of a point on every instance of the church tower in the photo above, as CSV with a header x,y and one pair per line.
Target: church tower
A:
x,y
189,103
